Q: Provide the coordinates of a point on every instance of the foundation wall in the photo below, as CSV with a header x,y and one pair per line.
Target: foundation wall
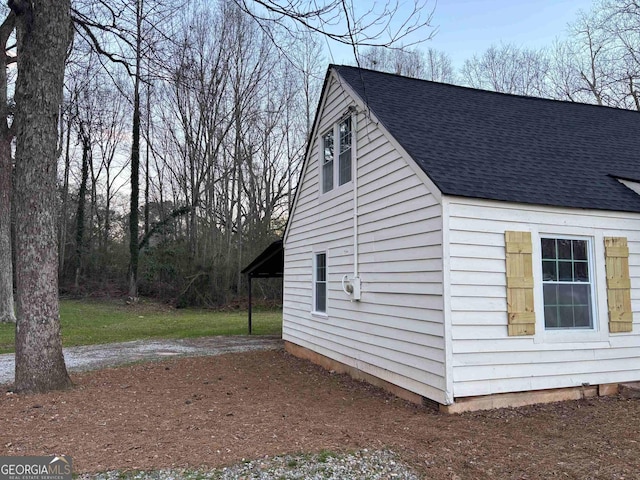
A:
x,y
465,404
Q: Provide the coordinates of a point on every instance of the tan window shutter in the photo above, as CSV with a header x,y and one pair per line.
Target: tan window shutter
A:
x,y
616,255
521,316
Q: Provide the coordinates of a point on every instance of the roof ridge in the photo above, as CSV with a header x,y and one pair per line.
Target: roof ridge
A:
x,y
481,90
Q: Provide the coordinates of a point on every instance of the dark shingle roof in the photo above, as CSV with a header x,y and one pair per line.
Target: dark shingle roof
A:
x,y
482,144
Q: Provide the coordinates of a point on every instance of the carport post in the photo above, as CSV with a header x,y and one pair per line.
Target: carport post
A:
x,y
249,303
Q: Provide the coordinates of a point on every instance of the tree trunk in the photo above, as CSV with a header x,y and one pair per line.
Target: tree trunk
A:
x,y
135,191
82,200
43,36
62,234
107,225
146,169
6,256
135,164
6,267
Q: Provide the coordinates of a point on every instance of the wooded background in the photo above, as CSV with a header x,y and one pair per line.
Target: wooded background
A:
x,y
224,109
185,123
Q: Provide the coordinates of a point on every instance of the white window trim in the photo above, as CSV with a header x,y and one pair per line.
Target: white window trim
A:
x,y
599,331
337,188
315,312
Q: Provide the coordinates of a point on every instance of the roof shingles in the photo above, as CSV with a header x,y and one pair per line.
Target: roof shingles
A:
x,y
482,144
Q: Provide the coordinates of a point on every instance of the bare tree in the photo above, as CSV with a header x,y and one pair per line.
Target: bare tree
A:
x,y
563,78
410,62
110,132
84,135
599,62
6,172
309,73
67,119
197,114
134,251
43,38
134,28
508,69
622,22
439,67
231,135
592,58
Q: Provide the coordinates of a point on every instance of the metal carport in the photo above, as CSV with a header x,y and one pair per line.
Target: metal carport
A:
x,y
269,264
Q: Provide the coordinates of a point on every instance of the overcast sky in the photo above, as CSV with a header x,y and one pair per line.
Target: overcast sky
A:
x,y
466,27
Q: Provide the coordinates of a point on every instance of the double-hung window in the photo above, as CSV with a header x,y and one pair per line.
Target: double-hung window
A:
x,y
336,159
327,165
344,160
567,283
320,282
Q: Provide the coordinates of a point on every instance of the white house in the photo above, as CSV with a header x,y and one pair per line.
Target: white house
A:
x,y
458,245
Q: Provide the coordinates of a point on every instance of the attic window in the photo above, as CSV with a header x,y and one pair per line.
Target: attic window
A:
x,y
327,164
336,162
344,160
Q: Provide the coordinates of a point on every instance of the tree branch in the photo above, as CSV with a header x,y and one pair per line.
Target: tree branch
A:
x,y
163,223
81,27
370,28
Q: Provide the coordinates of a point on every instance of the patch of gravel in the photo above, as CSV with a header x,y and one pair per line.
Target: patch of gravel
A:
x,y
363,464
93,357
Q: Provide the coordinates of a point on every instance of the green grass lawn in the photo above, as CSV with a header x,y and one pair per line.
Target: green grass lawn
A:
x,y
87,322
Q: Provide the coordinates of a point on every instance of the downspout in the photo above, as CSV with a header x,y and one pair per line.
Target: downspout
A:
x,y
355,281
351,286
354,146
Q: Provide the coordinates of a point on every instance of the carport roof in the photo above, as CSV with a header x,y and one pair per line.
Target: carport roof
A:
x,y
270,263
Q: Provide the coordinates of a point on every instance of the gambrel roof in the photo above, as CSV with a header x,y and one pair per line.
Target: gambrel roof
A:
x,y
481,144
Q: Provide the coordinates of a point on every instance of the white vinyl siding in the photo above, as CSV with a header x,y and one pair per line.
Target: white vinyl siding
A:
x,y
396,332
485,359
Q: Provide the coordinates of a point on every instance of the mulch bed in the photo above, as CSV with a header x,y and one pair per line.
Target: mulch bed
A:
x,y
214,411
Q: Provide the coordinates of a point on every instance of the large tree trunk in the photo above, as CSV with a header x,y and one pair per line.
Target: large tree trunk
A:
x,y
43,34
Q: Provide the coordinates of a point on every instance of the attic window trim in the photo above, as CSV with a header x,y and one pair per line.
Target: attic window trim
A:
x,y
341,166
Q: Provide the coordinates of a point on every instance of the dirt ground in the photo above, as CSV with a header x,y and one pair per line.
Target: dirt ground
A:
x,y
214,411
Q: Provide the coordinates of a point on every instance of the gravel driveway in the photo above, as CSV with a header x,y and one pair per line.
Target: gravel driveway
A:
x,y
92,357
